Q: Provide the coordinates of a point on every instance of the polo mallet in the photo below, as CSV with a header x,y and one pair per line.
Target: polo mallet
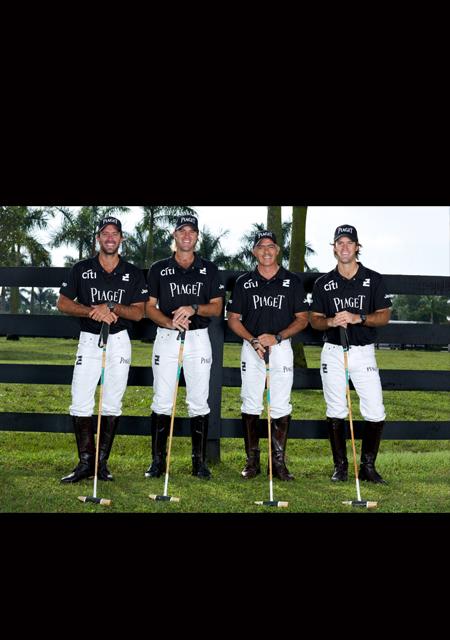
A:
x,y
103,339
353,503
165,497
271,502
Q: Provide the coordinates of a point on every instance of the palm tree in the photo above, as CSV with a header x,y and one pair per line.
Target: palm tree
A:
x,y
297,265
19,246
135,246
46,301
274,224
210,248
300,248
38,257
79,228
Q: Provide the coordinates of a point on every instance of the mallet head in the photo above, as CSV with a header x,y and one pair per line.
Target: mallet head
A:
x,y
364,504
272,503
103,501
164,498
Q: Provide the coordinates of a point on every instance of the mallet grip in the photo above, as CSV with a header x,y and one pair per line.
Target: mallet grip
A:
x,y
164,498
103,501
272,503
343,338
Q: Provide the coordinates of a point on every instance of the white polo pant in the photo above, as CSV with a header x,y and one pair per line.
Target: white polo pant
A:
x,y
197,360
363,372
88,369
253,375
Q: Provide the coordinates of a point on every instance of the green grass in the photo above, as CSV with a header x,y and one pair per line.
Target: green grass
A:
x,y
418,475
418,472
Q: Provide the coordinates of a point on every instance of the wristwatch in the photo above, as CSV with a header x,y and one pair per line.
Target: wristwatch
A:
x,y
111,305
195,307
278,338
363,318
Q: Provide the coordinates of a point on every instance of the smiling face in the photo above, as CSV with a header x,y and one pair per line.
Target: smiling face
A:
x,y
266,252
109,240
185,238
345,250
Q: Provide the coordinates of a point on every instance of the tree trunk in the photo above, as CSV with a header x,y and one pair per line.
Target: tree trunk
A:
x,y
32,300
298,240
297,265
14,298
274,224
150,245
94,233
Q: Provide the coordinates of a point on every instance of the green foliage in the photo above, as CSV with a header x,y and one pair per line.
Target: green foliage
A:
x,y
434,309
19,247
135,247
79,227
210,248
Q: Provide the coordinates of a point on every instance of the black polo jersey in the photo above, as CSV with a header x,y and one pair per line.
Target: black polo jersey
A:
x,y
364,293
175,287
90,284
267,306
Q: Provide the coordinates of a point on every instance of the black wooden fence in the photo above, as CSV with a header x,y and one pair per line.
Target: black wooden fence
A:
x,y
65,327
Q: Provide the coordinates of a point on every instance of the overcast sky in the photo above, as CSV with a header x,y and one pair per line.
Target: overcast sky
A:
x,y
396,240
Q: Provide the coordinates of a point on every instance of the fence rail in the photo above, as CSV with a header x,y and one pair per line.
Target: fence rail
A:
x,y
65,327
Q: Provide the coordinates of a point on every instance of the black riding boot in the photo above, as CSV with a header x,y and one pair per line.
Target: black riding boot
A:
x,y
84,435
107,432
280,428
336,433
251,439
369,450
199,434
160,427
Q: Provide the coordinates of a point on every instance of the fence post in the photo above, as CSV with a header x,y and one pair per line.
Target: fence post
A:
x,y
216,335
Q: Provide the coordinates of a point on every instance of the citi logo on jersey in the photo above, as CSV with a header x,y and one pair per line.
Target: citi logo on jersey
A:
x,y
89,275
268,301
250,283
331,285
98,296
168,271
190,289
